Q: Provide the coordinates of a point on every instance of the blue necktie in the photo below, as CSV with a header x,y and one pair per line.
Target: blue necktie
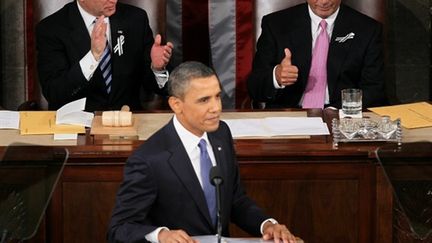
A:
x,y
209,190
105,66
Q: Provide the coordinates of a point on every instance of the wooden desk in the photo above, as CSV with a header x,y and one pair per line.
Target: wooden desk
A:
x,y
323,194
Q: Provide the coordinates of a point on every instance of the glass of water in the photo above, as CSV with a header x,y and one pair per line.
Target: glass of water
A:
x,y
351,101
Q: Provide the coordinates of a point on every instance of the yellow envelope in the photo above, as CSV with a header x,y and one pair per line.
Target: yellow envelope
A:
x,y
43,122
414,115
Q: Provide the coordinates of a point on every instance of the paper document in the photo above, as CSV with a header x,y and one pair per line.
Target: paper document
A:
x,y
9,119
213,239
43,122
73,114
277,126
414,115
69,120
60,136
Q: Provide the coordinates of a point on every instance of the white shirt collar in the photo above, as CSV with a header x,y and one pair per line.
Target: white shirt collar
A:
x,y
190,141
87,17
315,20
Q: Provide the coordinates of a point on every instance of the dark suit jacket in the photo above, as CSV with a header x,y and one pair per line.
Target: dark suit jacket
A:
x,y
63,40
355,63
160,188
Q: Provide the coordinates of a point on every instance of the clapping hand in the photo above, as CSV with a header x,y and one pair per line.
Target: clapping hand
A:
x,y
160,54
98,37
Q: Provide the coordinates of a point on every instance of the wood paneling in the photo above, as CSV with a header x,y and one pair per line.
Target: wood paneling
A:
x,y
312,196
86,218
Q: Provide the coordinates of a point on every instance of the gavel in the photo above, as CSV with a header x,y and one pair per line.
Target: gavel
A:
x,y
121,118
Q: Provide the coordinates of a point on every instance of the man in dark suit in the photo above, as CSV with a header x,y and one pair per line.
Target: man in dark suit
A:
x,y
70,44
282,63
162,198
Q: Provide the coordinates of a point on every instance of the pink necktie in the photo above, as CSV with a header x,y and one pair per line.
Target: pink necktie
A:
x,y
314,94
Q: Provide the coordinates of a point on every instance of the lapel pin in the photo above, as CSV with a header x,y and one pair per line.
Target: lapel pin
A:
x,y
120,41
219,149
342,39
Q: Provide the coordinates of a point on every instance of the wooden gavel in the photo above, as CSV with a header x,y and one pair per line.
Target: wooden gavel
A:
x,y
121,118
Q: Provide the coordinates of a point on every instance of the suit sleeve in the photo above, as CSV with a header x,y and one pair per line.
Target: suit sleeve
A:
x,y
372,74
244,211
129,221
260,82
61,80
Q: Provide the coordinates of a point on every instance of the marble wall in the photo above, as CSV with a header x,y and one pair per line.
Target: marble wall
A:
x,y
408,43
13,66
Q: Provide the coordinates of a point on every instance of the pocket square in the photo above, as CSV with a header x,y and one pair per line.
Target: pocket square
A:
x,y
342,39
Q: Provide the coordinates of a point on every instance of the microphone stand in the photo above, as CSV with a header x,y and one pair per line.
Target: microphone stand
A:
x,y
218,213
216,180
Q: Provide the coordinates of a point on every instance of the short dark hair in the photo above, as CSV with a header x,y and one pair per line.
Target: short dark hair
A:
x,y
181,76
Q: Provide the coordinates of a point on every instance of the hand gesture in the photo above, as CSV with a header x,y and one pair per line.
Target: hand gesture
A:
x,y
286,73
98,38
160,54
278,232
174,236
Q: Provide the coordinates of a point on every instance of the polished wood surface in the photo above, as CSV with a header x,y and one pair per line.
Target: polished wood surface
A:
x,y
323,194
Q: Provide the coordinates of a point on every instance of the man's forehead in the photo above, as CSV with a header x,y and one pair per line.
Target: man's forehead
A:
x,y
204,85
204,82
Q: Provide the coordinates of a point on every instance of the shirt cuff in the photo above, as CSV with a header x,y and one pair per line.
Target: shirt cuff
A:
x,y
153,236
88,65
161,77
275,82
271,220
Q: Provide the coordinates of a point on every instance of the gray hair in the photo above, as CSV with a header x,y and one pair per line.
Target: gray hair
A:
x,y
180,78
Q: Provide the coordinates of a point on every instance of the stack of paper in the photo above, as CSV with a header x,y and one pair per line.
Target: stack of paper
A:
x,y
277,126
9,119
414,115
64,123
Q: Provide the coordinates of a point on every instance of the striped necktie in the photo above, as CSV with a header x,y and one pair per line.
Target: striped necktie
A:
x,y
209,190
314,94
105,67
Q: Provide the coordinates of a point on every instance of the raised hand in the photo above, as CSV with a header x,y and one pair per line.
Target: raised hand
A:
x,y
98,38
286,73
160,54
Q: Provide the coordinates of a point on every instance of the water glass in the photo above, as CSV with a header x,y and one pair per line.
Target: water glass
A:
x,y
351,101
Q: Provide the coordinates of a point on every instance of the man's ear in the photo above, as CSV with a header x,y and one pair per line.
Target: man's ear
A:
x,y
175,104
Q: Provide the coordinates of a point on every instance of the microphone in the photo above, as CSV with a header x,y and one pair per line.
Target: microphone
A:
x,y
216,180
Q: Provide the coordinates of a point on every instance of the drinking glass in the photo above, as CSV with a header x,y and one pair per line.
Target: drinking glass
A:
x,y
351,101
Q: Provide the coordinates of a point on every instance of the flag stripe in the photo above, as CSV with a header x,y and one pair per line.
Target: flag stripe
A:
x,y
195,31
222,32
245,47
174,30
